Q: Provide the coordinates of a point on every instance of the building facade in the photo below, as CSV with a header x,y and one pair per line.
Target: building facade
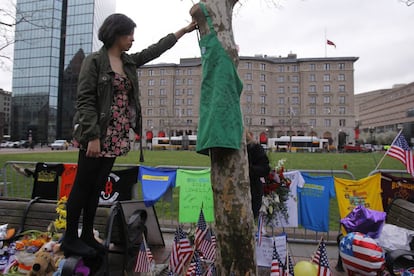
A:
x,y
281,96
54,36
387,110
5,110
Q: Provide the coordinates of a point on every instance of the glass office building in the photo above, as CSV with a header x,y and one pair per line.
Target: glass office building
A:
x,y
45,73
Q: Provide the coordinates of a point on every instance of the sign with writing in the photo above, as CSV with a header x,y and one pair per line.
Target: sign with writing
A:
x,y
195,193
264,252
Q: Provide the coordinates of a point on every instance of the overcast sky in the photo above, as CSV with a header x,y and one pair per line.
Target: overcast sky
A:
x,y
379,32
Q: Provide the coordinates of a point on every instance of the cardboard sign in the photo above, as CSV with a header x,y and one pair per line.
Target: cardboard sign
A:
x,y
264,252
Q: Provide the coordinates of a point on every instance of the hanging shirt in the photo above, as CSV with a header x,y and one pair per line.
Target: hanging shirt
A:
x,y
155,183
119,185
297,181
396,187
67,179
195,193
314,199
220,123
46,180
365,192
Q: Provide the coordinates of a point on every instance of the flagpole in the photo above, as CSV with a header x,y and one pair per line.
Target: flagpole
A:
x,y
324,42
317,247
149,263
383,157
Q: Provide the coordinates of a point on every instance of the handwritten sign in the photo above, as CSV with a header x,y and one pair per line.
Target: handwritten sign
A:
x,y
264,252
195,192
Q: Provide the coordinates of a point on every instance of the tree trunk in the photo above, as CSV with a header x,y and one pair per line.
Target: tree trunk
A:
x,y
234,224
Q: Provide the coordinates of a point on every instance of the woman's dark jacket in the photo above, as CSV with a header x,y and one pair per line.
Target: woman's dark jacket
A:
x,y
95,91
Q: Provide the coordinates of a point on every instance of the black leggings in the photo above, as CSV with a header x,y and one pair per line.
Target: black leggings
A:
x,y
91,177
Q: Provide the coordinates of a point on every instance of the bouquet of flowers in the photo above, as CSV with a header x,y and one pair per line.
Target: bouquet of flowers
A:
x,y
59,224
276,192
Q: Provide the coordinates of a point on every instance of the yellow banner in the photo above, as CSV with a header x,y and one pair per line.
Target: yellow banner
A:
x,y
155,177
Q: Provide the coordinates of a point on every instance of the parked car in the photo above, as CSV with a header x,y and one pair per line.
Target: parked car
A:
x,y
59,145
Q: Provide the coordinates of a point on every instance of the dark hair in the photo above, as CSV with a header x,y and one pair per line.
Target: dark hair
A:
x,y
115,25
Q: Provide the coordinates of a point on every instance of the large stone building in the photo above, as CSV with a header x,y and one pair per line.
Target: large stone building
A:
x,y
5,110
50,45
281,95
387,110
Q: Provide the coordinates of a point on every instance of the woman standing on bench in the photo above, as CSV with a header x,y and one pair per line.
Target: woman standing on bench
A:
x,y
107,108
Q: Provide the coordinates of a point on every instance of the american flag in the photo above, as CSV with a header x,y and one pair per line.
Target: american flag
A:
x,y
361,254
323,263
289,266
181,252
144,259
195,269
211,270
276,269
201,230
401,150
208,246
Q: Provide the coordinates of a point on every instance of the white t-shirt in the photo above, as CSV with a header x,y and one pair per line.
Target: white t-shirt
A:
x,y
292,203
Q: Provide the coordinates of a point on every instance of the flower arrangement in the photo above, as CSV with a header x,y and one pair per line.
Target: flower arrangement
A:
x,y
276,192
60,223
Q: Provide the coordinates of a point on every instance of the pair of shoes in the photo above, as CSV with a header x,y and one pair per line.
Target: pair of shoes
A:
x,y
77,247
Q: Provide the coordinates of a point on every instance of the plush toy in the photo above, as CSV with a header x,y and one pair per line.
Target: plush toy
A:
x,y
43,265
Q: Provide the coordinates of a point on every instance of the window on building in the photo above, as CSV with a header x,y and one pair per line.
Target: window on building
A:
x,y
312,99
295,100
341,99
149,123
295,68
281,79
312,67
262,121
177,112
312,122
262,66
342,110
327,122
326,66
150,102
189,92
249,65
162,122
262,110
342,122
312,110
248,76
326,88
163,92
139,73
189,112
163,112
326,99
163,82
341,66
281,90
249,98
262,99
177,101
149,112
281,100
189,71
342,88
150,72
151,82
163,101
177,72
294,79
178,82
262,88
312,77
189,101
295,89
177,92
190,82
150,92
281,111
162,71
341,77
326,77
281,68
262,77
312,88
249,87
326,110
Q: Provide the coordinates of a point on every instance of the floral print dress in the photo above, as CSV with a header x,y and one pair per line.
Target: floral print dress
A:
x,y
117,134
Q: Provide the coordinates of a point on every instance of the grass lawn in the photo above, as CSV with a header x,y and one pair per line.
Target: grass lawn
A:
x,y
359,164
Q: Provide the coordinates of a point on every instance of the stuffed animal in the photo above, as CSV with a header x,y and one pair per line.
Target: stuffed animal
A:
x,y
43,265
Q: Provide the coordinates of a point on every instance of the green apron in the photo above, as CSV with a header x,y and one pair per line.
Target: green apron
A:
x,y
220,123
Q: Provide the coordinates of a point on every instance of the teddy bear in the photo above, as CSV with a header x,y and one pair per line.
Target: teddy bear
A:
x,y
43,265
